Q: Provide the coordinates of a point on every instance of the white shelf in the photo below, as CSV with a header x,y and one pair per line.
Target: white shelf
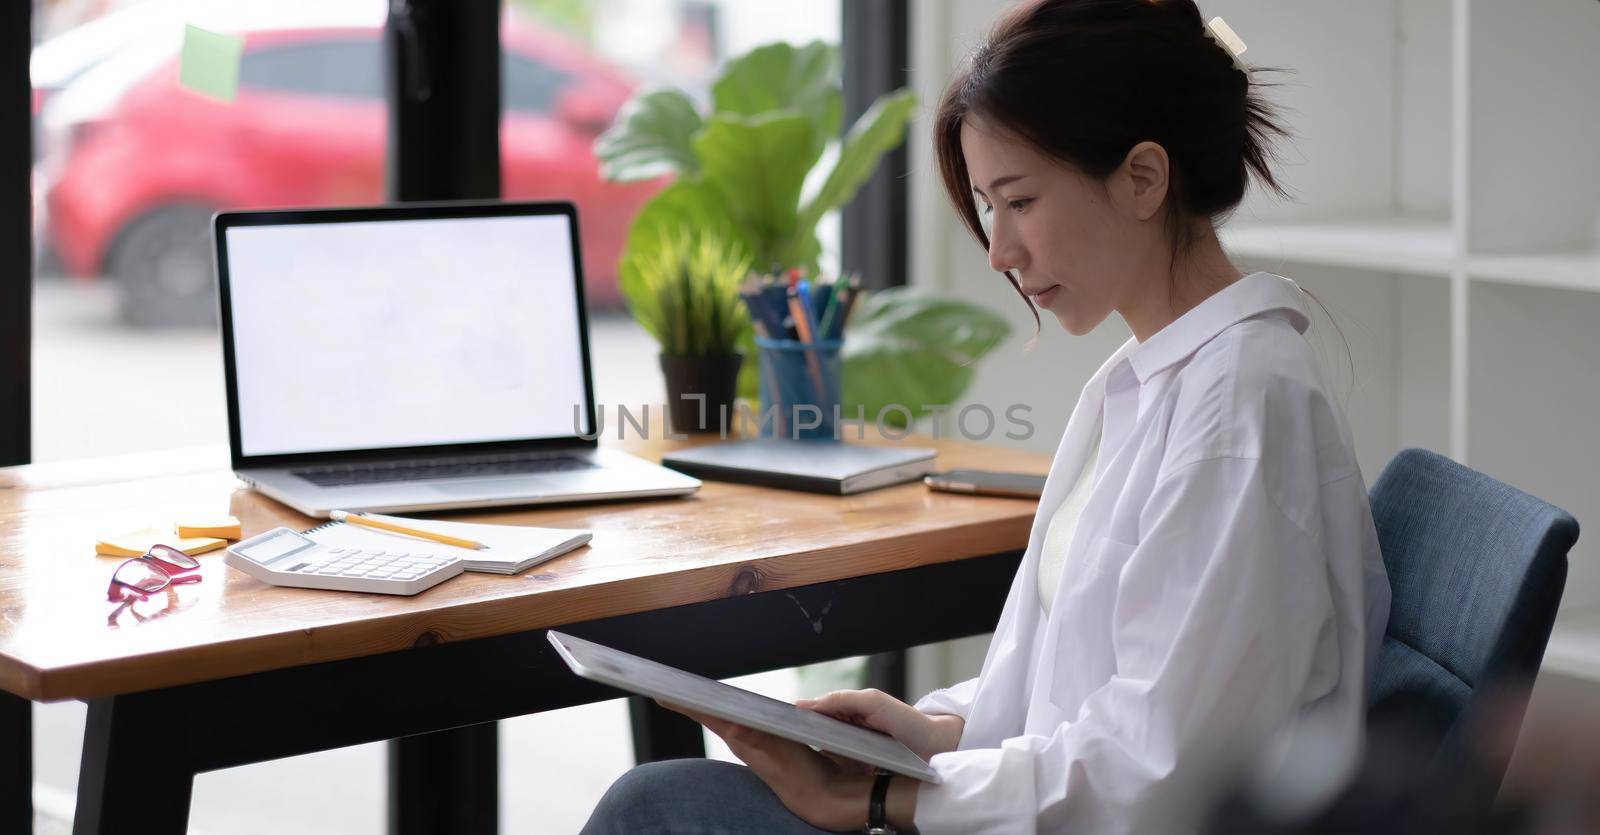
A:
x,y
1572,270
1417,245
1574,647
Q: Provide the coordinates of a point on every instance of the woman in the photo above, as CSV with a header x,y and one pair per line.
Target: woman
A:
x,y
1203,575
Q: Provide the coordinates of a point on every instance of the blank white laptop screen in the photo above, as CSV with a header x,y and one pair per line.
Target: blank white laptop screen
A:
x,y
371,335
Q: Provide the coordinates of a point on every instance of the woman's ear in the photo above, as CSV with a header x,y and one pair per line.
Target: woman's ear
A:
x,y
1141,181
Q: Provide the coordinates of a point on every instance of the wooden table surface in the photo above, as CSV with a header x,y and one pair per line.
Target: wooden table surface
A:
x,y
58,639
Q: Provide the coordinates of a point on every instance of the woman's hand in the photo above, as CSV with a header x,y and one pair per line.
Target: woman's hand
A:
x,y
925,735
826,792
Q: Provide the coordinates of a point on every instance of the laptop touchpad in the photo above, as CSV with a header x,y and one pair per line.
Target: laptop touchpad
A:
x,y
496,486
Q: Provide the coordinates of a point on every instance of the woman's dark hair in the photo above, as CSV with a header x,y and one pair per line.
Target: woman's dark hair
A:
x,y
1083,81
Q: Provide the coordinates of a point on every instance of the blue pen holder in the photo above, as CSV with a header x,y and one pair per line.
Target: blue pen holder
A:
x,y
800,384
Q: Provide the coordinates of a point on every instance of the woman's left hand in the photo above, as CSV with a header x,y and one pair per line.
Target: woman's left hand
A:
x,y
825,792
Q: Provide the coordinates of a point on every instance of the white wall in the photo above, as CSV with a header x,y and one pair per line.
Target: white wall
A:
x,y
1534,131
1536,388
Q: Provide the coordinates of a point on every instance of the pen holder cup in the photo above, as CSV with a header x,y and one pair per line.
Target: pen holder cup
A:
x,y
800,385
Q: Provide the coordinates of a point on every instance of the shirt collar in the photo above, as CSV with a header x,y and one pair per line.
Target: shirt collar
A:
x,y
1250,296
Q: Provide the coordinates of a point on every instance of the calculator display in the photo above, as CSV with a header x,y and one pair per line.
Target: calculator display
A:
x,y
274,547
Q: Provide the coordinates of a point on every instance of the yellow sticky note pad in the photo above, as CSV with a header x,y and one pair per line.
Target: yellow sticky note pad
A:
x,y
136,543
209,63
224,527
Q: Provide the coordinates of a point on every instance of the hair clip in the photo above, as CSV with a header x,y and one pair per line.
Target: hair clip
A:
x,y
1219,31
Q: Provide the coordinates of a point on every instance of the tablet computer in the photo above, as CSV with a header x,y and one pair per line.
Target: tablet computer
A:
x,y
601,663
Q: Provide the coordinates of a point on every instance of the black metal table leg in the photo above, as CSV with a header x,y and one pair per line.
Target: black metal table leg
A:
x,y
661,734
886,671
131,780
447,781
16,763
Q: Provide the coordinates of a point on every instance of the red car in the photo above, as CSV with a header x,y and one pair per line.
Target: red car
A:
x,y
135,179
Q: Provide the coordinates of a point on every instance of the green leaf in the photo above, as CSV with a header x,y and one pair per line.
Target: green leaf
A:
x,y
781,76
690,205
686,294
759,165
913,350
750,369
651,137
878,131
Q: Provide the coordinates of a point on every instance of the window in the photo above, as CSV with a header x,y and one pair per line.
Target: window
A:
x,y
346,68
529,86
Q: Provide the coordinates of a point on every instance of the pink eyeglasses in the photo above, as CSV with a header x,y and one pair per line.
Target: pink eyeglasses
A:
x,y
161,566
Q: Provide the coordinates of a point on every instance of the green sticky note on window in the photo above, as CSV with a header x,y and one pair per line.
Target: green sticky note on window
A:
x,y
209,64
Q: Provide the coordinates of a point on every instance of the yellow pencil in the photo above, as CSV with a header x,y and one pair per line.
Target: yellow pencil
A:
x,y
355,519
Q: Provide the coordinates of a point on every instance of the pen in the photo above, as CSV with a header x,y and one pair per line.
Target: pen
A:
x,y
820,293
802,290
802,324
357,519
829,309
777,302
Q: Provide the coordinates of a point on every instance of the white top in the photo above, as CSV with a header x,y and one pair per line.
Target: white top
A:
x,y
1053,555
1225,583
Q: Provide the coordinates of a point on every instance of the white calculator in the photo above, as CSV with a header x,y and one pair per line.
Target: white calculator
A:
x,y
283,557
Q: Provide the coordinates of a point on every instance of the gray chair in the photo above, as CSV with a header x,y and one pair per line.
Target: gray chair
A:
x,y
1477,569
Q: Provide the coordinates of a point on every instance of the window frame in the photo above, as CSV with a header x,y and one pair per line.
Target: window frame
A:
x,y
16,235
876,44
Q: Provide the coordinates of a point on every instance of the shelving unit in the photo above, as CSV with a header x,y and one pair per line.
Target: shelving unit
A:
x,y
1565,270
1485,183
1385,243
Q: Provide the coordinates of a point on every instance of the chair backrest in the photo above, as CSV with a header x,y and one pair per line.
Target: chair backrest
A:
x,y
1477,568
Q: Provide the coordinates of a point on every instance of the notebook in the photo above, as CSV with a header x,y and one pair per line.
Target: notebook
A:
x,y
512,548
815,466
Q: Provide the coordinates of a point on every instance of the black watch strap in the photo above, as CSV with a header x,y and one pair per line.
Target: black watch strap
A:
x,y
877,812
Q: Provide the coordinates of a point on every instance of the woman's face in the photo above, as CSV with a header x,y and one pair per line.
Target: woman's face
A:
x,y
1080,248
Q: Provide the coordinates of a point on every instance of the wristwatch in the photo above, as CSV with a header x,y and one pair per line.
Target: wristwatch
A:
x,y
877,814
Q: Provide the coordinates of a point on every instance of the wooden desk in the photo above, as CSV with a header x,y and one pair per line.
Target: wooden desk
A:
x,y
730,581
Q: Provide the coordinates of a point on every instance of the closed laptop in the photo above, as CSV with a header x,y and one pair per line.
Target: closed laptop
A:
x,y
817,466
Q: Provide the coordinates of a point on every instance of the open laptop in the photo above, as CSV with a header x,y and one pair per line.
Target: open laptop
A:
x,y
415,357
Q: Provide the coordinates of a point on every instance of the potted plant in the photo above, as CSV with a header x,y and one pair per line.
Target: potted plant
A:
x,y
743,175
684,291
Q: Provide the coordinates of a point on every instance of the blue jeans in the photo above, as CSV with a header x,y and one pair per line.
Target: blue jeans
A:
x,y
704,797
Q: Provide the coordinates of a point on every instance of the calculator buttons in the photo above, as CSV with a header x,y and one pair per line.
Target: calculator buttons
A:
x,y
370,570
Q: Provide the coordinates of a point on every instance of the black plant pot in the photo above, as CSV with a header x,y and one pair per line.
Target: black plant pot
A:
x,y
716,377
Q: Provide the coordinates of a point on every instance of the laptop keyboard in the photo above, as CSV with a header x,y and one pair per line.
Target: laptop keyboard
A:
x,y
392,471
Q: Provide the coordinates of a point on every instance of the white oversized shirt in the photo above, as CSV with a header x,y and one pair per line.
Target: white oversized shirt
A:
x,y
1063,527
1223,584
